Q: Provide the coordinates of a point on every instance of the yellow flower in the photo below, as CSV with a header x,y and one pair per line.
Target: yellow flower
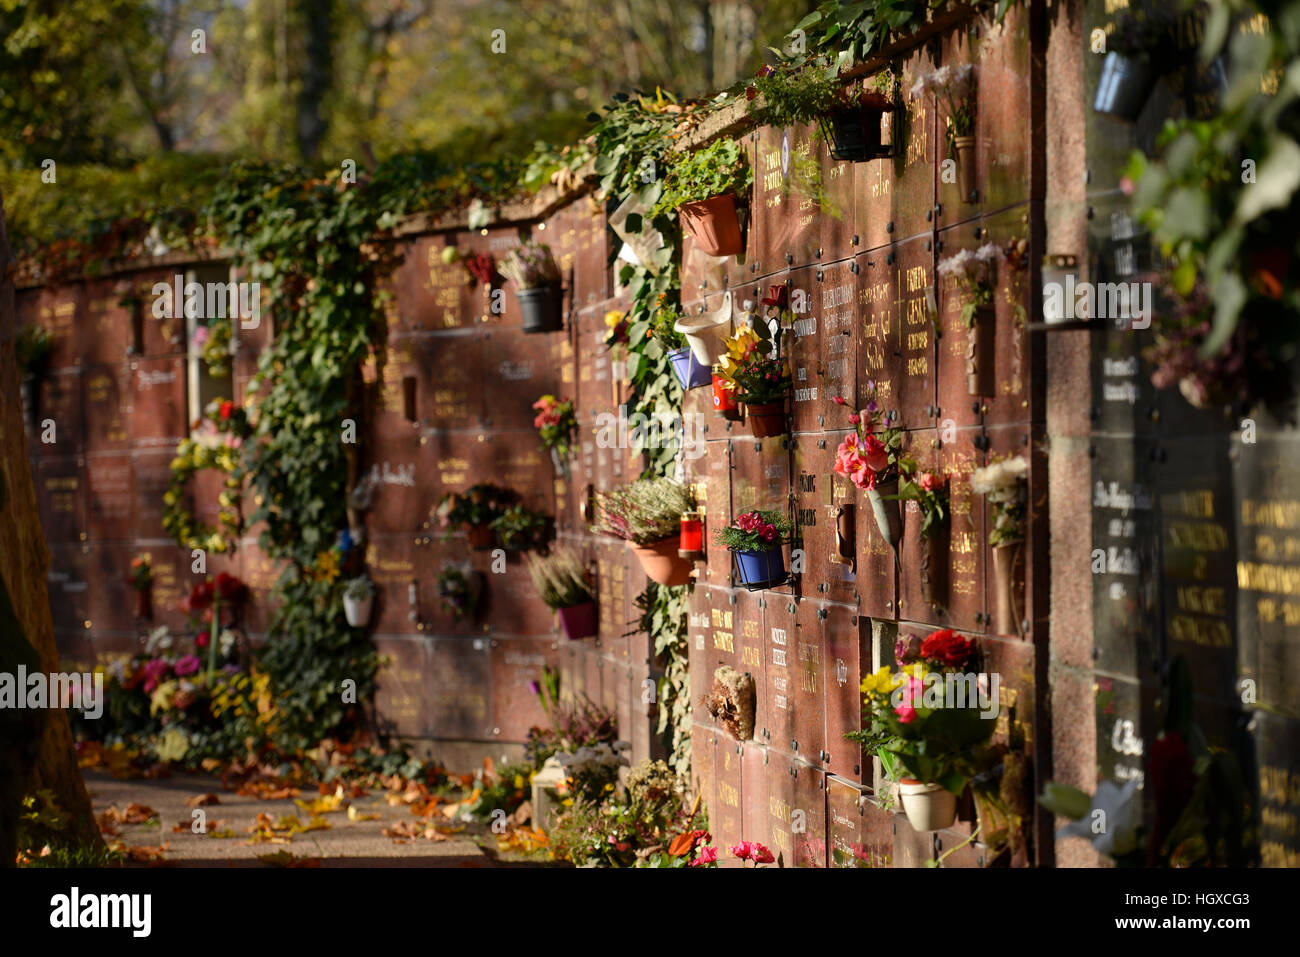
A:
x,y
613,318
327,566
879,681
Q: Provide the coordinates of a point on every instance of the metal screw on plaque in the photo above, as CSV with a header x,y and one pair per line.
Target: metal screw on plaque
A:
x,y
819,252
821,612
789,258
733,599
978,232
938,209
855,240
853,268
790,608
889,226
938,845
819,275
889,259
794,745
821,443
889,606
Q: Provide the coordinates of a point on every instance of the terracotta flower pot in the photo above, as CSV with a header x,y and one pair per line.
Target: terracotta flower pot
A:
x,y
579,621
934,565
888,514
929,807
964,146
767,419
714,225
480,536
1008,571
661,563
980,352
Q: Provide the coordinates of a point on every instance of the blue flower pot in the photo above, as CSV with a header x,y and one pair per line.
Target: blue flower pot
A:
x,y
761,568
690,372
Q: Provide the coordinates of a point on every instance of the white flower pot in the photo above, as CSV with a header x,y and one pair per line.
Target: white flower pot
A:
x,y
929,807
707,332
358,610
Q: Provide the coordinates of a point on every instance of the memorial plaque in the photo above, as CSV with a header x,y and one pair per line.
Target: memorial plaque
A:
x,y
808,816
400,500
703,777
458,689
511,605
807,660
726,814
858,834
647,743
760,475
838,212
450,462
60,426
573,673
921,445
519,369
754,813
595,674
749,638
591,273
516,664
611,594
432,556
711,480
59,312
430,293
454,397
787,197
841,318
780,674
105,401
393,564
848,660
151,473
105,334
1124,542
1002,127
400,692
68,583
61,498
720,639
704,602
1011,298
824,499
805,353
916,159
781,805
1278,747
1127,721
914,393
109,496
629,708
967,535
260,573
158,414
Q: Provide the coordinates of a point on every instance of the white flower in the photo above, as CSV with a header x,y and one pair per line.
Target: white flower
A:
x,y
957,264
987,253
999,477
1111,822
159,639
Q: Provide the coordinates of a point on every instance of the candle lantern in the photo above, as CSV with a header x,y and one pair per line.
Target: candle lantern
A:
x,y
692,538
724,399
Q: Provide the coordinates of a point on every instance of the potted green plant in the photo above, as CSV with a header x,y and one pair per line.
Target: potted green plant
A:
x,y
358,597
476,508
691,373
459,589
536,276
647,514
563,582
1004,485
930,741
849,119
519,528
702,187
759,376
974,273
954,86
756,539
1129,72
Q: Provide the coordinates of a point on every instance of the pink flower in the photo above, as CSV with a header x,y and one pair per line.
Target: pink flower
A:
x,y
876,454
707,855
906,709
744,850
839,400
928,481
854,418
187,665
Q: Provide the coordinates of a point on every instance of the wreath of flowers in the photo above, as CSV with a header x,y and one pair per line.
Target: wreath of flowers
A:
x,y
215,444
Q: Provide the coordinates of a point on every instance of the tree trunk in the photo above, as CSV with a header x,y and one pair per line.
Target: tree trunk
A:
x,y
36,748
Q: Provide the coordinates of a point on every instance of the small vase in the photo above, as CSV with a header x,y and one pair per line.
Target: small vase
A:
x,y
542,308
1124,87
714,225
767,419
480,537
889,518
760,569
980,352
724,400
560,463
934,565
358,610
690,373
964,146
144,603
1008,595
929,807
661,563
579,621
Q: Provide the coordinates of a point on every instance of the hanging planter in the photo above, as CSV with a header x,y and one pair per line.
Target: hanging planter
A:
x,y
980,354
579,620
714,225
760,568
853,131
929,807
766,419
691,373
755,539
661,563
1008,601
542,308
358,598
706,333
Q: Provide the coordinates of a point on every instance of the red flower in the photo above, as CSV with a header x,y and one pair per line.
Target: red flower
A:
x,y
947,648
876,454
929,481
225,409
707,855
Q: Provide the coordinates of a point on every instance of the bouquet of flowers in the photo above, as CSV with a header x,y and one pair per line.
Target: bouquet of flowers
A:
x,y
753,367
213,343
482,268
480,504
520,527
975,273
141,572
755,531
556,422
530,265
868,459
1003,484
953,86
561,579
930,492
458,590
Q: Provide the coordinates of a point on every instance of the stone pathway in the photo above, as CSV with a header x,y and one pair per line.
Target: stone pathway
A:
x,y
346,843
